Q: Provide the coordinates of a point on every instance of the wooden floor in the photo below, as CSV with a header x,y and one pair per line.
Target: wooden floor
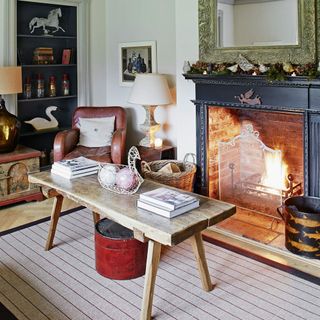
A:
x,y
22,213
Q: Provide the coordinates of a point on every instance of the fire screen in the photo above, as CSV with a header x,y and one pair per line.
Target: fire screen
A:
x,y
251,175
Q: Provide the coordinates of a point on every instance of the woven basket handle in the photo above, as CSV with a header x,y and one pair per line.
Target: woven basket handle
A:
x,y
188,155
145,165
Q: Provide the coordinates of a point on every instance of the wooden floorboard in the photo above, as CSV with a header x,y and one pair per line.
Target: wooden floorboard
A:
x,y
19,214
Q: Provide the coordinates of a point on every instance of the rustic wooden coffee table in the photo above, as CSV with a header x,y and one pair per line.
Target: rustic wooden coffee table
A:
x,y
146,226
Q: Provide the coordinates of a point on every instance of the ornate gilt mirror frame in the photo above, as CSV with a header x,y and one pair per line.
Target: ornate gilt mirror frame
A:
x,y
302,53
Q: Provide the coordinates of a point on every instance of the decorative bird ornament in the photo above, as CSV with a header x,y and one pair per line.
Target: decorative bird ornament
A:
x,y
287,67
244,64
133,156
42,123
263,68
233,68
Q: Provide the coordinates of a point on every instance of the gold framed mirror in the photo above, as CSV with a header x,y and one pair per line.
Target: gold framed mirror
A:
x,y
300,51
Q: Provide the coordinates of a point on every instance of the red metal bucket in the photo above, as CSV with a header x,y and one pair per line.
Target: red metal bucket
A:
x,y
118,255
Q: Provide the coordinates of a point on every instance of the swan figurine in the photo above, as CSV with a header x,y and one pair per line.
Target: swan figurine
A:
x,y
42,123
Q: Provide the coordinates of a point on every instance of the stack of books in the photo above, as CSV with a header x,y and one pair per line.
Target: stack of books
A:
x,y
43,56
75,168
166,202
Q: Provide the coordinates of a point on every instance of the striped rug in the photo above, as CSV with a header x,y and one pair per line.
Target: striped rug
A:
x,y
63,284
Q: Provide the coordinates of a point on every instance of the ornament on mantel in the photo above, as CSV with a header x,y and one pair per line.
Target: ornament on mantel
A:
x,y
287,67
186,67
244,64
233,68
263,68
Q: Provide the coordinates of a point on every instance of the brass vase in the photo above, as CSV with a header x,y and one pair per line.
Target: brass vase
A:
x,y
9,129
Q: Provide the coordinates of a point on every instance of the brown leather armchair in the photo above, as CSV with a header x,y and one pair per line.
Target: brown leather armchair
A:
x,y
65,142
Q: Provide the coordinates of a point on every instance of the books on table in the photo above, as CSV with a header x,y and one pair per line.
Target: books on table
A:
x,y
73,168
167,202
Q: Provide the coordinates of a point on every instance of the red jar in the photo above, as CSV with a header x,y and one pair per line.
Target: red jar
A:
x,y
118,255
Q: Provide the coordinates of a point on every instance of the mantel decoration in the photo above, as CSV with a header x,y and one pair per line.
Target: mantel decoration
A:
x,y
242,66
52,21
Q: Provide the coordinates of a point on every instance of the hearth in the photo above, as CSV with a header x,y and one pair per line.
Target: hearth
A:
x,y
282,124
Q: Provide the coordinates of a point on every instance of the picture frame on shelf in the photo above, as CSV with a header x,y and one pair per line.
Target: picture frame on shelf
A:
x,y
136,57
66,56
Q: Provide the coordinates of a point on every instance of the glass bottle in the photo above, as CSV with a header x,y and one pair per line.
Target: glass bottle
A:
x,y
27,88
40,86
52,87
65,85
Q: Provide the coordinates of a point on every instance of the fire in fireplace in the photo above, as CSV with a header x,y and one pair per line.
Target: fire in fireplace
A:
x,y
252,175
255,158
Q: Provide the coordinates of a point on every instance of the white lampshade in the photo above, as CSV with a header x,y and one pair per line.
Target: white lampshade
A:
x,y
150,89
10,80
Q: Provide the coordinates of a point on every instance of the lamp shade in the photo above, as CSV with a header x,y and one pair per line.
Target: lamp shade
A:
x,y
10,80
150,89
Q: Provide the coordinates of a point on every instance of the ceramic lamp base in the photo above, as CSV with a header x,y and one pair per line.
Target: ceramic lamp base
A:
x,y
148,140
9,130
149,127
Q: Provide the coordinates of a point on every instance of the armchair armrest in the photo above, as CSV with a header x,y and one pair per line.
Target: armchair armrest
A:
x,y
64,142
118,147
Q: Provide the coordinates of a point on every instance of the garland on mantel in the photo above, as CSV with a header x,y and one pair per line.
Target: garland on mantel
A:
x,y
278,71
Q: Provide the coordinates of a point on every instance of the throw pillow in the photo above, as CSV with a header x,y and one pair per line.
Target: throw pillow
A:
x,y
96,132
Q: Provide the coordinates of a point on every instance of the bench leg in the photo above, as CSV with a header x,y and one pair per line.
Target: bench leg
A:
x,y
198,249
55,215
153,258
96,217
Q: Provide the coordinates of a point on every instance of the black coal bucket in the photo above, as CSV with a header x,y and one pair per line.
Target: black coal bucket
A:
x,y
302,221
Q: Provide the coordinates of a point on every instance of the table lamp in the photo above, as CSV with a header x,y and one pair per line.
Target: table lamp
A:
x,y
150,90
10,83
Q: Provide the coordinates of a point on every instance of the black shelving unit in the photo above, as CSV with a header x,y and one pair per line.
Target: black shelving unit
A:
x,y
27,42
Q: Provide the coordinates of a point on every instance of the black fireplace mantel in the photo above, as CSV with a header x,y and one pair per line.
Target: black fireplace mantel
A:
x,y
295,94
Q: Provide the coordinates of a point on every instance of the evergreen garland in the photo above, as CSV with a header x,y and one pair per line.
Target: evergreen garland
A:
x,y
276,72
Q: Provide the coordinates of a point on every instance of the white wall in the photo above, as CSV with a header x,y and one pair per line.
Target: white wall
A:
x,y
143,20
187,48
97,53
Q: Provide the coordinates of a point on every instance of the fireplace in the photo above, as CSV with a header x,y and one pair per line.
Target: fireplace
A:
x,y
244,122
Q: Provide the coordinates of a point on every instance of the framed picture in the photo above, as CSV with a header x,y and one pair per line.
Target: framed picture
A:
x,y
136,57
66,56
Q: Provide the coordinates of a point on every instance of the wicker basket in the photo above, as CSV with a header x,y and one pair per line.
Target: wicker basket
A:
x,y
182,180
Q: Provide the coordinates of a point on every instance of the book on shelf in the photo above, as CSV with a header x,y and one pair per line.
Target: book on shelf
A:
x,y
164,211
167,198
75,165
72,175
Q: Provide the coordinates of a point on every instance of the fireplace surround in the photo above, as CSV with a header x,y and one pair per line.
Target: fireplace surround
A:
x,y
256,96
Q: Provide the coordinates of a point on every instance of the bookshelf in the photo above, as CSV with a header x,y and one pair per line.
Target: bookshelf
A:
x,y
27,42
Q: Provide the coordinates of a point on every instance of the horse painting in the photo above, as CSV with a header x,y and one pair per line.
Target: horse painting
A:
x,y
51,21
